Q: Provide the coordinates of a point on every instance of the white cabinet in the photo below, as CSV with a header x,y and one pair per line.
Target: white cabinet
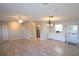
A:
x,y
57,36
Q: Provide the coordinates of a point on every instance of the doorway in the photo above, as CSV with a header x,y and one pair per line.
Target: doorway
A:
x,y
73,34
38,31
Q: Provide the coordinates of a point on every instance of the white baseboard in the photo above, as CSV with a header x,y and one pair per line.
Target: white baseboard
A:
x,y
14,39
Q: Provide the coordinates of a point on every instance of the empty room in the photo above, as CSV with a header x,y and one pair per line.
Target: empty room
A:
x,y
39,29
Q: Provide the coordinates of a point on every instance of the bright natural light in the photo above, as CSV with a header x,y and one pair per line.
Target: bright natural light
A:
x,y
59,27
74,28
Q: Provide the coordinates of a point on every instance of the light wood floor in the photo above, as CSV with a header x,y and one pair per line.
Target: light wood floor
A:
x,y
23,47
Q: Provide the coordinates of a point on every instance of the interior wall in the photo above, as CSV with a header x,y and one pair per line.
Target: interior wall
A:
x,y
3,31
16,30
63,35
24,30
27,30
30,29
44,31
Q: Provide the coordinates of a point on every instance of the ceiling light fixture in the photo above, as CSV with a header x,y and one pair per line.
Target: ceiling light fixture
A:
x,y
49,22
20,21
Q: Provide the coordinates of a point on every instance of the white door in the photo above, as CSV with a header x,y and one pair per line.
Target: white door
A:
x,y
5,32
73,33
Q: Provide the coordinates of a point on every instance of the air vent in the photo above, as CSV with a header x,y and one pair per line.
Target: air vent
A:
x,y
45,3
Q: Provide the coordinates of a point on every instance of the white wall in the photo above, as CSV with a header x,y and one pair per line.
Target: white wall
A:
x,y
45,34
16,30
28,30
25,30
62,36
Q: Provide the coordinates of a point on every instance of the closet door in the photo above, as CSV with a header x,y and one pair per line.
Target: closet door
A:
x,y
5,32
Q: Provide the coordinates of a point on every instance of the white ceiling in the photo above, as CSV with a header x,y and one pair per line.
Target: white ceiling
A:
x,y
39,11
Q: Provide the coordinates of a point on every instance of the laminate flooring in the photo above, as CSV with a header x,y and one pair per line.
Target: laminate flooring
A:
x,y
37,47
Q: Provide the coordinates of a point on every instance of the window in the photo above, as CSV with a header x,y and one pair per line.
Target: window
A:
x,y
73,28
58,28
